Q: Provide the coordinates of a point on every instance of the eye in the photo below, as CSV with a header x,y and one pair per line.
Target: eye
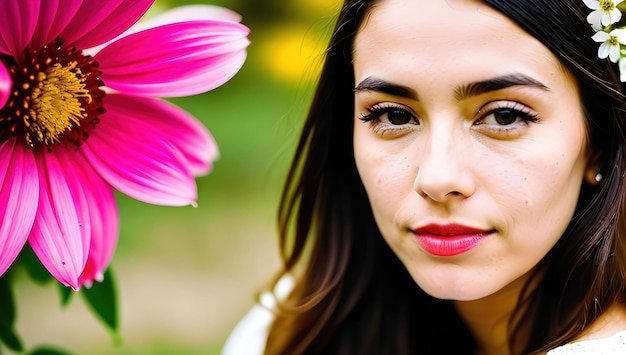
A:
x,y
505,117
505,113
389,114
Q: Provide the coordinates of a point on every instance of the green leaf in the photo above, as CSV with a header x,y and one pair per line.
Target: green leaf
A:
x,y
33,266
43,350
66,294
102,297
7,303
7,316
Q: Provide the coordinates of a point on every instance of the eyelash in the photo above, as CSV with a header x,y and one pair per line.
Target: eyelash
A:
x,y
523,116
377,110
378,126
519,110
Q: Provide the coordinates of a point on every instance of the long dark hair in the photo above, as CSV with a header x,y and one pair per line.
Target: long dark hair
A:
x,y
353,296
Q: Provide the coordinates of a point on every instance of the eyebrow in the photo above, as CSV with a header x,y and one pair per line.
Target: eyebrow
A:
x,y
374,84
460,93
497,83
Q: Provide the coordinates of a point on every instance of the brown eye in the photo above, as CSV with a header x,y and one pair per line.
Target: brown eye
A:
x,y
505,117
390,114
398,116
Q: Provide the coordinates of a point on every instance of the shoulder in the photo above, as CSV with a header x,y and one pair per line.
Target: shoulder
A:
x,y
613,345
606,336
250,334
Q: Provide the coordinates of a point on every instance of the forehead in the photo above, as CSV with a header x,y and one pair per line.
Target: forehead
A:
x,y
464,37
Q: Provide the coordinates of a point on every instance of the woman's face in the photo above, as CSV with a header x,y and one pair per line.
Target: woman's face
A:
x,y
470,141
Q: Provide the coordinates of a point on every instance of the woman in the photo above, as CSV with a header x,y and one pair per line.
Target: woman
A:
x,y
458,186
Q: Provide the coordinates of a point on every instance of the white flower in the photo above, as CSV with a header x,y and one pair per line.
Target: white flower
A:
x,y
605,13
610,46
622,70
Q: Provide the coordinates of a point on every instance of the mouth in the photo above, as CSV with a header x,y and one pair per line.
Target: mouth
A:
x,y
450,239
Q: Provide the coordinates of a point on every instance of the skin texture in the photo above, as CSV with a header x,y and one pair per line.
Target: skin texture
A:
x,y
427,155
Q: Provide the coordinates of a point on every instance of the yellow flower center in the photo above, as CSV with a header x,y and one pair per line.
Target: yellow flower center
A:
x,y
54,105
613,41
607,5
56,97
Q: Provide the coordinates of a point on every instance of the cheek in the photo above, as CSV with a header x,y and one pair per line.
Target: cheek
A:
x,y
537,197
384,177
387,178
382,170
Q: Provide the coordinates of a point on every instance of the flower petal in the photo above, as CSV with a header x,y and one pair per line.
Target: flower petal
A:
x,y
98,21
53,17
595,19
620,33
138,160
185,132
19,189
187,13
61,233
179,59
18,20
5,84
104,221
592,4
614,53
622,70
604,50
601,36
616,15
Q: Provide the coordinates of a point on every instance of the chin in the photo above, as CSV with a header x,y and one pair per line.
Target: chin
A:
x,y
456,288
456,295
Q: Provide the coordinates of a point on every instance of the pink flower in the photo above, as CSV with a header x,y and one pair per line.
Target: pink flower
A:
x,y
79,118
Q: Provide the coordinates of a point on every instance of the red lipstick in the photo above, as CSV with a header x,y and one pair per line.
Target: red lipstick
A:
x,y
449,239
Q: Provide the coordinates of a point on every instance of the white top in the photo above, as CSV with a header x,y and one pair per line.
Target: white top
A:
x,y
614,345
250,334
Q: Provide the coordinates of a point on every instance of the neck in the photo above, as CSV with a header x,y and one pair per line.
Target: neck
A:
x,y
488,318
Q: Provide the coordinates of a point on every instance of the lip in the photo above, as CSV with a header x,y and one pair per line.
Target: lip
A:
x,y
450,239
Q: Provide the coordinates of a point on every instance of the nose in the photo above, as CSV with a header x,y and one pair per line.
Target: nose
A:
x,y
443,174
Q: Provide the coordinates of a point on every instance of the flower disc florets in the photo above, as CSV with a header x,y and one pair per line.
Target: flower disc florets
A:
x,y
55,97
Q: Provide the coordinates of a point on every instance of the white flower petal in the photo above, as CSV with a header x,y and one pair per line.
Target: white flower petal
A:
x,y
614,53
616,15
604,50
601,36
622,70
595,19
593,4
606,19
620,33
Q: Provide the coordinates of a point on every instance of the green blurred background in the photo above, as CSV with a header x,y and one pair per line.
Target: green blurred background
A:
x,y
186,275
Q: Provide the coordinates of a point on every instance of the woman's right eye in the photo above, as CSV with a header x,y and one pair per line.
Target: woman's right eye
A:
x,y
389,114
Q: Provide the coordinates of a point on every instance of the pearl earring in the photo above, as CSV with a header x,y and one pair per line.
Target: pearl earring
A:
x,y
598,177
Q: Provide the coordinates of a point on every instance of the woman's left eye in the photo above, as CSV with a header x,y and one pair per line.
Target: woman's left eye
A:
x,y
506,114
505,117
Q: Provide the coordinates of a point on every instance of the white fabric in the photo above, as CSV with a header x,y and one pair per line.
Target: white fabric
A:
x,y
250,334
614,345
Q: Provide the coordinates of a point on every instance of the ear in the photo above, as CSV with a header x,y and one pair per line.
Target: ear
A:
x,y
594,171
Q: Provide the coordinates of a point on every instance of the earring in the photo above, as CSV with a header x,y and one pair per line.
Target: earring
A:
x,y
598,177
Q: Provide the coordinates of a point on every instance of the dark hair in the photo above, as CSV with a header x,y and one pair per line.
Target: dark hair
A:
x,y
353,296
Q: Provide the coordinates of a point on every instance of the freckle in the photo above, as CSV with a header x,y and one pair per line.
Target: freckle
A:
x,y
526,202
379,181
